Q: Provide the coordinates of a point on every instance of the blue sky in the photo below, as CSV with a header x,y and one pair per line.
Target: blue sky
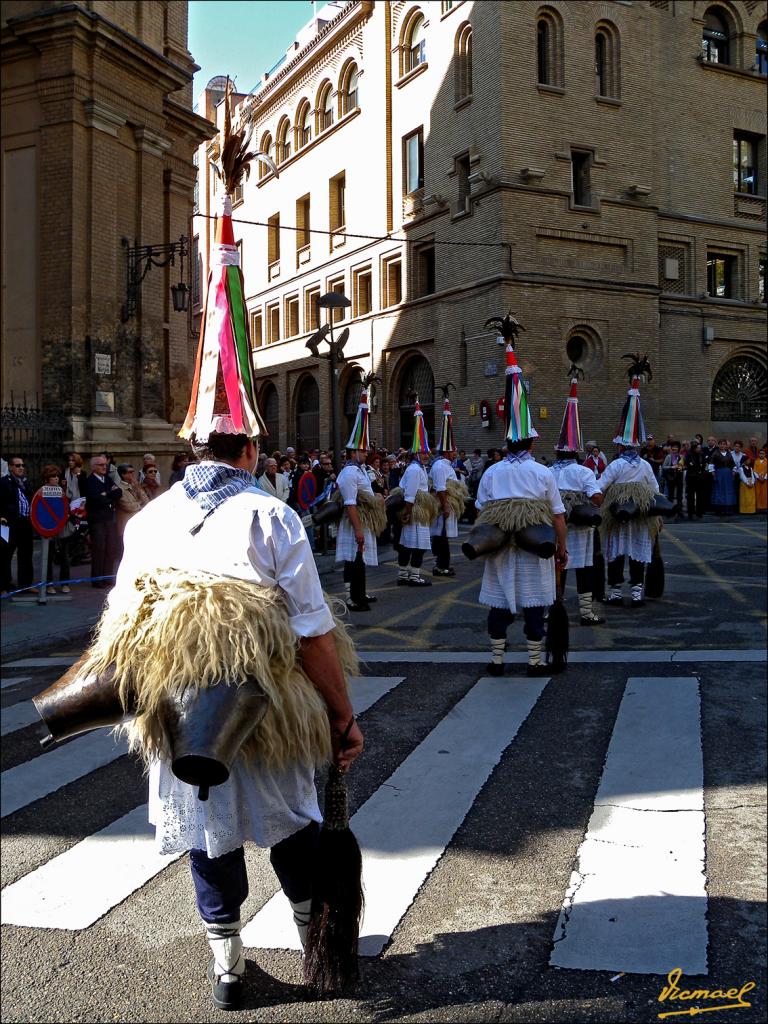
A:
x,y
242,38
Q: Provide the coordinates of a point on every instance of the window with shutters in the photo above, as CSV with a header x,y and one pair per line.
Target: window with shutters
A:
x,y
291,316
740,391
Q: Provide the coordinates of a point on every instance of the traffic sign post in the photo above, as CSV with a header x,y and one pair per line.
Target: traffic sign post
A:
x,y
49,514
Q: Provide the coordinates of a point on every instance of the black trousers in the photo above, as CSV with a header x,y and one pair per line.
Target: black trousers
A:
x,y
499,619
60,545
354,575
675,490
221,883
696,491
584,579
441,549
103,548
20,538
410,556
616,571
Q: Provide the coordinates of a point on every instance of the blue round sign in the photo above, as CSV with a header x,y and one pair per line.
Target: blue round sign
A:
x,y
49,511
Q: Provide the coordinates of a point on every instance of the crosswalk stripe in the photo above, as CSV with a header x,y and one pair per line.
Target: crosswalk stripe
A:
x,y
637,901
79,886
53,662
12,681
407,823
35,779
604,657
18,716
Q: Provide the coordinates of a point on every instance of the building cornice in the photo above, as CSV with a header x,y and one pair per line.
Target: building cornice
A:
x,y
184,121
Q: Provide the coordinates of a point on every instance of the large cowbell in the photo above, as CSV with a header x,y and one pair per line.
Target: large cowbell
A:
x,y
206,728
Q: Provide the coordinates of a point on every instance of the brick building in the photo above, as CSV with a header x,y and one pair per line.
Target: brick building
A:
x,y
98,139
597,168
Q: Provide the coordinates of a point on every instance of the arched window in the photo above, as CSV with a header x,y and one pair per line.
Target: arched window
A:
x,y
761,49
417,379
740,391
283,148
308,415
270,410
303,127
714,40
324,107
462,55
352,392
413,43
266,149
550,50
607,67
350,99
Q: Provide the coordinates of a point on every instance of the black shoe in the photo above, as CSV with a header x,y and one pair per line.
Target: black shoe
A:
x,y
541,670
355,607
403,581
371,599
227,995
419,582
443,572
617,601
595,621
494,670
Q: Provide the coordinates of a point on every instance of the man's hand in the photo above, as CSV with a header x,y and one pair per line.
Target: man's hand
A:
x,y
360,539
405,516
347,741
561,558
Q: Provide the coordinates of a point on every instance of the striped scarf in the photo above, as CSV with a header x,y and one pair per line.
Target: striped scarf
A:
x,y
210,484
630,457
514,457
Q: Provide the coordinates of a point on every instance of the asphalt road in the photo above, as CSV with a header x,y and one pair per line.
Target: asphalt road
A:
x,y
476,940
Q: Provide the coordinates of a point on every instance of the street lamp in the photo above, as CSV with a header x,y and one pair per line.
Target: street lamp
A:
x,y
335,355
139,261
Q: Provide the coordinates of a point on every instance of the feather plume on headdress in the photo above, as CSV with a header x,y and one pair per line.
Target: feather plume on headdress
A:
x,y
517,414
631,430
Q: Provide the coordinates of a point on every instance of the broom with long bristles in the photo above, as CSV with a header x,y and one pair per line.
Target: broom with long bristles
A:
x,y
654,576
330,958
598,570
558,630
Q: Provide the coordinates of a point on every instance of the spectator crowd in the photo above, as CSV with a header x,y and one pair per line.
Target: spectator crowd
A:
x,y
715,475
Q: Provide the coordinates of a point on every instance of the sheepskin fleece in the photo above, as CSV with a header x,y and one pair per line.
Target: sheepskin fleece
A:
x,y
426,509
456,495
512,514
177,629
373,515
571,498
641,494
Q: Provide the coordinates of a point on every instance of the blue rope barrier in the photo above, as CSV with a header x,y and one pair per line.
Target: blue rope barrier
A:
x,y
57,583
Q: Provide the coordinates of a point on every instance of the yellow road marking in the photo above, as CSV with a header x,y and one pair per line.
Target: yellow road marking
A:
x,y
706,569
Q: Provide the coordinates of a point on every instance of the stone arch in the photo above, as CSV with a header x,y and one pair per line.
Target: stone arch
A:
x,y
269,403
414,374
306,417
585,347
740,389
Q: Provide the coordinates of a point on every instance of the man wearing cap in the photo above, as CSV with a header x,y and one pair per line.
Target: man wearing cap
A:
x,y
420,509
450,492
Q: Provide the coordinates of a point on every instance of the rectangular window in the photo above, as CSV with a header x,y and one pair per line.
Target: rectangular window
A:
x,y
291,316
745,163
761,279
337,285
337,199
273,239
362,285
581,184
392,281
721,275
311,321
413,162
273,323
257,336
303,234
425,270
237,195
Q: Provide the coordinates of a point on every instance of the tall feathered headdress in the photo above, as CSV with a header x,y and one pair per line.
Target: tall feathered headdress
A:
x,y
359,438
517,414
570,432
446,442
224,388
631,429
420,443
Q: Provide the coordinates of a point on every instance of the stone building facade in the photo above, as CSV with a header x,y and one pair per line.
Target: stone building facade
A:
x,y
98,140
597,168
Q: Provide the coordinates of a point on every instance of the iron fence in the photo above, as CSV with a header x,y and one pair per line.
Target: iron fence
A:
x,y
35,434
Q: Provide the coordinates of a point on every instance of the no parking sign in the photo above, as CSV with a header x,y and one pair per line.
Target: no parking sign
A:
x,y
306,492
49,511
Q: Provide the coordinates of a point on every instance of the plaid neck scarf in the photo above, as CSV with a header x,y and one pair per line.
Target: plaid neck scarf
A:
x,y
211,483
23,503
630,457
518,457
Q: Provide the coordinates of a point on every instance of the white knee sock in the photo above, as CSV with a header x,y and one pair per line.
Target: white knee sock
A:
x,y
415,574
497,651
301,914
585,606
615,593
535,648
227,948
637,591
403,572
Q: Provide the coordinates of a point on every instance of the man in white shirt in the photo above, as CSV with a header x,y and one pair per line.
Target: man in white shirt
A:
x,y
449,492
418,515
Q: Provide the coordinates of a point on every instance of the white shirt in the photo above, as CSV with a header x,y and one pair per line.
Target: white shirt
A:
x,y
351,479
570,476
622,472
441,472
252,536
525,479
414,479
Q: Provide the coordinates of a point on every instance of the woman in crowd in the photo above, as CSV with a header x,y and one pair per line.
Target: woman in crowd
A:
x,y
746,488
178,468
133,500
595,461
58,547
375,475
760,470
151,482
74,476
724,498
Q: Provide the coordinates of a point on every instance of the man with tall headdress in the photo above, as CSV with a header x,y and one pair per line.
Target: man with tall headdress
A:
x,y
364,517
515,493
219,585
419,511
449,491
629,483
577,486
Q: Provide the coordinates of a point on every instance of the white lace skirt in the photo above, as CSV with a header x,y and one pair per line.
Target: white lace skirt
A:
x,y
451,526
581,546
346,545
632,538
415,536
517,579
254,804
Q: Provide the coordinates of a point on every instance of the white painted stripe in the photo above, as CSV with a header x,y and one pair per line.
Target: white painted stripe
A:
x,y
53,662
606,657
56,768
637,901
13,681
407,823
18,716
79,886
